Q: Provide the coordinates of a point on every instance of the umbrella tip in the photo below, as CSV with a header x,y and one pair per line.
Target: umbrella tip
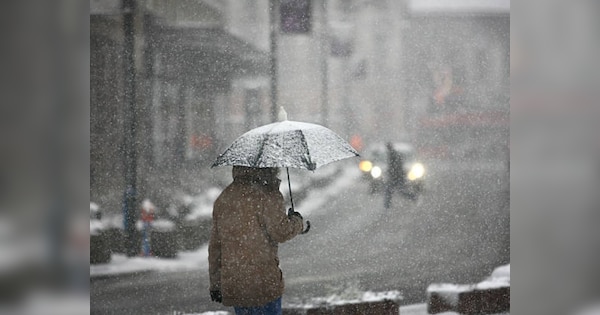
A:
x,y
282,115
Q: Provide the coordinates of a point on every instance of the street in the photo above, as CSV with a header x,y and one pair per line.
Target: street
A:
x,y
459,231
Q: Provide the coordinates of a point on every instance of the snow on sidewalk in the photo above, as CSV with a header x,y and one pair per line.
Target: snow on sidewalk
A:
x,y
121,264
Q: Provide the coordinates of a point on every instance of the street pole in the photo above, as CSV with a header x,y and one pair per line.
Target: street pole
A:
x,y
324,41
273,15
130,195
345,96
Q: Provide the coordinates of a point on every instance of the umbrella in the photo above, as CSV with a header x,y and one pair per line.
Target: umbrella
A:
x,y
287,144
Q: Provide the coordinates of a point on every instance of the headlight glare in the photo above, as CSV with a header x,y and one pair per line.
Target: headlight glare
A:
x,y
365,166
376,172
417,171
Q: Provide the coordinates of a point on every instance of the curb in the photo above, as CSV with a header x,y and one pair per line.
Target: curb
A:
x,y
120,274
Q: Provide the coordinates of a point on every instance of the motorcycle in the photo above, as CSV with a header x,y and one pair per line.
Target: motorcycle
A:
x,y
376,170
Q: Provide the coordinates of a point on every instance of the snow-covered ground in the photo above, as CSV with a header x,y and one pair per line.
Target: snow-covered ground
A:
x,y
198,259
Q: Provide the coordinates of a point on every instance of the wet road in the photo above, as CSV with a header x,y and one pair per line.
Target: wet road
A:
x,y
457,232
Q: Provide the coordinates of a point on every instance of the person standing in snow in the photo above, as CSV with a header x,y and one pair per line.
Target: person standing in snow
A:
x,y
249,222
147,214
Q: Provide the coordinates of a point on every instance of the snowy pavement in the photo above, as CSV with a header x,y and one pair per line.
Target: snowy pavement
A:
x,y
415,309
121,264
193,260
198,259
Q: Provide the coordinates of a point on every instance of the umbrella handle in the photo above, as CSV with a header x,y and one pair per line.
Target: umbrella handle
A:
x,y
307,227
292,200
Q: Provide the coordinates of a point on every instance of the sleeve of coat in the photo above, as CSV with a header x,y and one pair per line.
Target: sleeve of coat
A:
x,y
278,225
214,257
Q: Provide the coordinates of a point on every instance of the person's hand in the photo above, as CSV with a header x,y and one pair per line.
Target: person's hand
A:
x,y
291,213
215,296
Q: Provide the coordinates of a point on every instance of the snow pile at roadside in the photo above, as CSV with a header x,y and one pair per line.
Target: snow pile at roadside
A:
x,y
342,299
421,309
499,278
450,293
121,264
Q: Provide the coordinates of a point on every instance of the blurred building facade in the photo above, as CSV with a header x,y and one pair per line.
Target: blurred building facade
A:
x,y
457,83
361,67
186,60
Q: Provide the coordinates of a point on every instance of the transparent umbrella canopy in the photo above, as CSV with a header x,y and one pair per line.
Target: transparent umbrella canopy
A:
x,y
287,144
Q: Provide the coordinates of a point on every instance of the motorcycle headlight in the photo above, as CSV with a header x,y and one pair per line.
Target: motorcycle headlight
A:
x,y
416,171
376,172
365,166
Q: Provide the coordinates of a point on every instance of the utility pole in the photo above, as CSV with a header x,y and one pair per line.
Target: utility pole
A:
x,y
130,212
324,51
273,23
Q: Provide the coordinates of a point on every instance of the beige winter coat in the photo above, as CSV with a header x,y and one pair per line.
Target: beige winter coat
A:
x,y
249,220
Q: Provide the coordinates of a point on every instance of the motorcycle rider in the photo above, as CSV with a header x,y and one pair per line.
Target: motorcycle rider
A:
x,y
396,177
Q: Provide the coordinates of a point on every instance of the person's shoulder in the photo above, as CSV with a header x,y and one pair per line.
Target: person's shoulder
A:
x,y
226,193
274,195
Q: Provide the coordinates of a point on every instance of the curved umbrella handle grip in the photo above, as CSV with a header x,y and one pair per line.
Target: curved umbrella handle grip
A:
x,y
307,227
